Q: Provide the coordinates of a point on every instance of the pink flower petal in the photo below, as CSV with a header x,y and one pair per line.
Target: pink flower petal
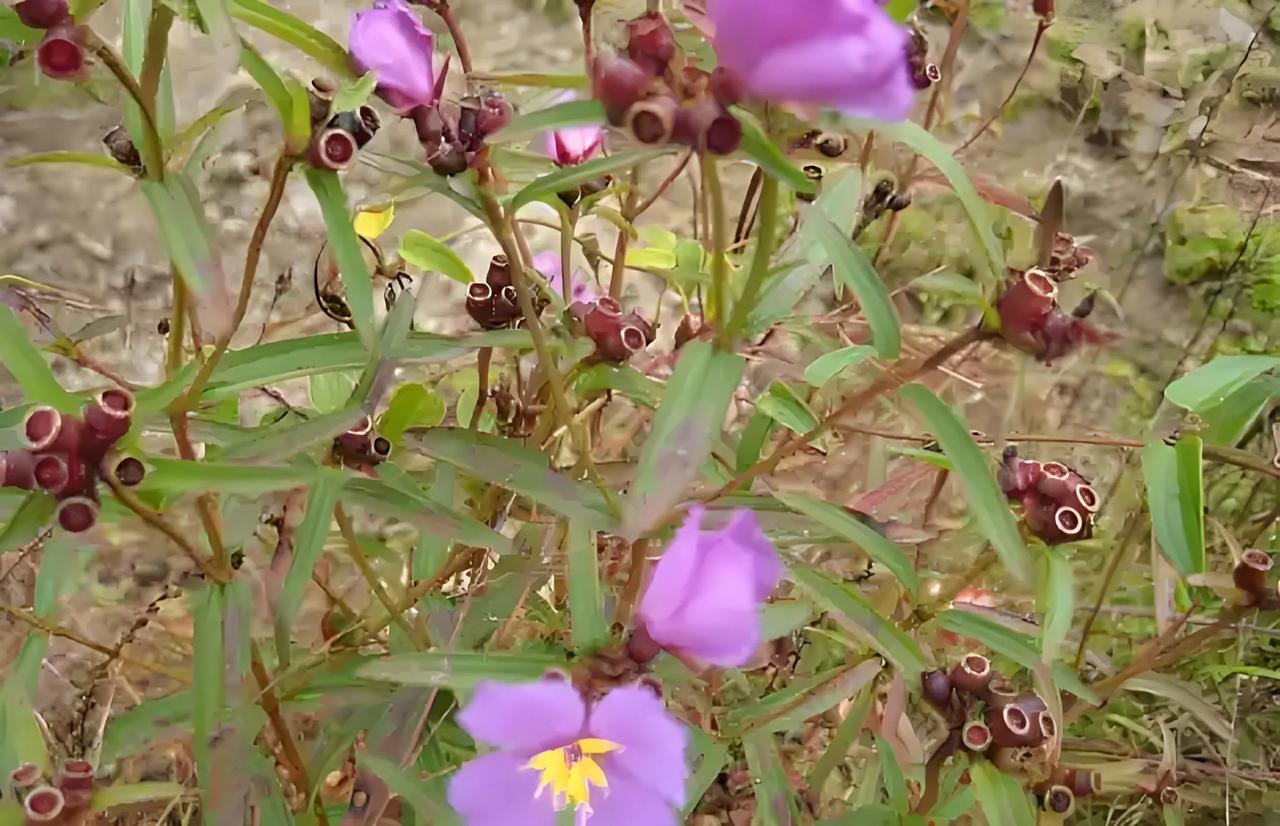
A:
x,y
653,743
496,790
524,717
675,572
391,41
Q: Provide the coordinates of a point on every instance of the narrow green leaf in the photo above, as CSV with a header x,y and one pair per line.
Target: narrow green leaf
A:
x,y
895,782
124,794
842,523
789,708
784,406
585,601
854,270
935,152
174,477
1185,695
985,499
829,365
296,33
684,428
569,177
847,733
775,802
27,366
206,673
1175,495
1003,799
429,255
707,760
130,731
570,113
308,545
93,159
345,245
514,466
216,16
274,443
329,392
13,30
297,128
766,154
1057,602
27,521
1004,641
394,493
1212,383
354,94
622,378
410,789
458,671
183,233
874,630
268,80
752,440
1227,422
412,405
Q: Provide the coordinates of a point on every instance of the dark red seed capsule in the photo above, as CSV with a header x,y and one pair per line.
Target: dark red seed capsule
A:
x,y
972,673
43,805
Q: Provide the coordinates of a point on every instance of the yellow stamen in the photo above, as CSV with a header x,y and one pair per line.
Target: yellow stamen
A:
x,y
571,771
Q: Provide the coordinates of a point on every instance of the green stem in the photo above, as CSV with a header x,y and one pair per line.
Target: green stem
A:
x,y
760,263
719,240
152,148
157,50
568,221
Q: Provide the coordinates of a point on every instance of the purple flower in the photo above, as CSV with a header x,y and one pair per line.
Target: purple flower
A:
x,y
572,145
847,54
620,761
390,41
549,265
704,598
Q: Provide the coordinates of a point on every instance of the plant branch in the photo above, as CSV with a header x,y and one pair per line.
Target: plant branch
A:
x,y
361,561
719,240
157,50
155,520
760,262
455,31
152,148
986,124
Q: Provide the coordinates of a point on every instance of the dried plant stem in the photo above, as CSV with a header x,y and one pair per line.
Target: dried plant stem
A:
x,y
680,166
568,222
455,31
152,147
483,357
52,630
994,116
361,561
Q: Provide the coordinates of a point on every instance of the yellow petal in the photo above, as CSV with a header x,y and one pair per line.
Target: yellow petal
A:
x,y
591,745
593,774
370,223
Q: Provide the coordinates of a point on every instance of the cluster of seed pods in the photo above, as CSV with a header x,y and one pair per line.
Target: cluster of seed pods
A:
x,y
617,337
1058,504
661,98
64,453
453,135
336,137
995,720
1032,320
492,303
361,447
65,800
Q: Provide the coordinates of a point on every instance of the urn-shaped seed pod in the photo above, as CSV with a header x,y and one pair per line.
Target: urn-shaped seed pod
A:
x,y
60,54
1046,725
499,272
976,736
333,149
77,514
109,416
42,14
652,121
972,673
999,693
51,473
1082,782
47,429
25,776
936,687
130,471
75,781
650,42
43,804
17,469
1250,574
1060,801
1055,480
619,83
1087,497
1169,796
1010,726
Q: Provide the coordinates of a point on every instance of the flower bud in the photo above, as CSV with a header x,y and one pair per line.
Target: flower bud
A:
x,y
75,781
130,471
936,687
77,514
972,674
650,42
1060,801
1010,726
1043,9
726,87
43,805
619,84
17,469
976,736
652,121
1250,574
333,149
61,54
42,14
